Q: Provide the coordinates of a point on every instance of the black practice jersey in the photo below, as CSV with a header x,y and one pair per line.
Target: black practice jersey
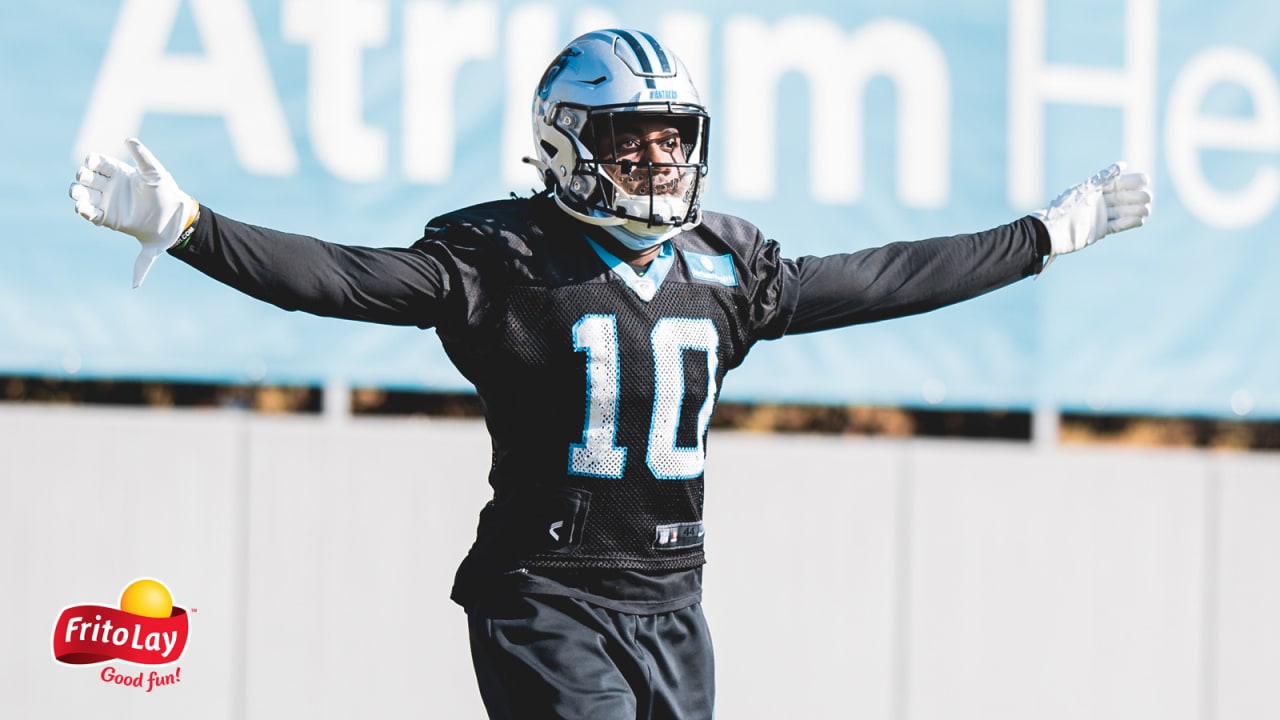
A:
x,y
598,382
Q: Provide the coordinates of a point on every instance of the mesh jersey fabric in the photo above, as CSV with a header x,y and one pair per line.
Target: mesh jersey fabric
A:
x,y
596,399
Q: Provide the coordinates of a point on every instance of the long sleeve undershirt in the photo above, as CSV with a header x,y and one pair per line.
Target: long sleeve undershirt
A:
x,y
407,286
905,278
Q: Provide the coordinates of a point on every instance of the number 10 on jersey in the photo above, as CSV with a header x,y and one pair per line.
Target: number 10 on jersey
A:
x,y
599,455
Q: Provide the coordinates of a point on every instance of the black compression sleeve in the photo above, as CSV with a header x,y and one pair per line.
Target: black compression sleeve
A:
x,y
393,286
907,278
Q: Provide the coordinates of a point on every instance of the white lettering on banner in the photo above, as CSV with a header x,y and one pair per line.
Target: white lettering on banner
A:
x,y
837,67
1187,132
1033,83
438,39
231,79
335,33
530,41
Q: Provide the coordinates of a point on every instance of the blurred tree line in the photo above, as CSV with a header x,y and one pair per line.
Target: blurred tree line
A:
x,y
897,422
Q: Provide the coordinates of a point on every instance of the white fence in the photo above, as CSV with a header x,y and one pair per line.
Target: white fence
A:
x,y
876,579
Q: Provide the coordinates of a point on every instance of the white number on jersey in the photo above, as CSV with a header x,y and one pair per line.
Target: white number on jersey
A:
x,y
598,455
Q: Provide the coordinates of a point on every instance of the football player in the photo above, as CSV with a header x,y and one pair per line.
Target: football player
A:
x,y
597,320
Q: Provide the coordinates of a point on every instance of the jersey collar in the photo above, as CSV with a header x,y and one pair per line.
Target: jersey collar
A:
x,y
644,286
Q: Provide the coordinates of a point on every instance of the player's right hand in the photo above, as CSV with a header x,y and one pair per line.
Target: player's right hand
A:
x,y
142,201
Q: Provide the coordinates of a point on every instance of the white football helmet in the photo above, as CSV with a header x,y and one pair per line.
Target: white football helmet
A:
x,y
596,90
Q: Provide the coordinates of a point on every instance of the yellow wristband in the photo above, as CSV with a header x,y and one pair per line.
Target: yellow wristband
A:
x,y
189,229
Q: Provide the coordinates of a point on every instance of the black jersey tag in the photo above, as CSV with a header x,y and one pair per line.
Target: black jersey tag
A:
x,y
678,536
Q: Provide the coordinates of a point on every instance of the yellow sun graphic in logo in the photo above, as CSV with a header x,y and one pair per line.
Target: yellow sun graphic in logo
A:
x,y
147,597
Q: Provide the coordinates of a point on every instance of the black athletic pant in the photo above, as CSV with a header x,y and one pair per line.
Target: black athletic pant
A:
x,y
558,657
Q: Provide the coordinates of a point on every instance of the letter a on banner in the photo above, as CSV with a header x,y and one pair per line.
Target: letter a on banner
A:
x,y
230,80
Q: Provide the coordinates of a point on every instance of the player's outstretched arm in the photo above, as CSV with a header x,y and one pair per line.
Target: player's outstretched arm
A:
x,y
1109,202
906,278
395,286
142,200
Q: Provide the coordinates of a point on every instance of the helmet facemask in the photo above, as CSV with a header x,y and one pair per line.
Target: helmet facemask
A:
x,y
647,167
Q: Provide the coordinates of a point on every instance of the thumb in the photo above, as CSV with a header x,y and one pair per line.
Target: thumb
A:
x,y
142,264
1108,173
145,160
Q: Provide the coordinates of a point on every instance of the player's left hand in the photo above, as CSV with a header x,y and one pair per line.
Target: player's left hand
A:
x,y
143,201
1109,202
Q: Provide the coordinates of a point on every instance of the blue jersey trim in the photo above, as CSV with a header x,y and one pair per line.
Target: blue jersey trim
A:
x,y
644,286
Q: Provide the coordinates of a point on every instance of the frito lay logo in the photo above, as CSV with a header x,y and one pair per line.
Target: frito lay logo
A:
x,y
148,629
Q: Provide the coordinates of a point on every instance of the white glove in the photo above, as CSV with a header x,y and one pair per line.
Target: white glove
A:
x,y
1106,203
144,202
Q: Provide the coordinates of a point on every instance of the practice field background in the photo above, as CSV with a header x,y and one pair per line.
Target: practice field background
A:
x,y
837,126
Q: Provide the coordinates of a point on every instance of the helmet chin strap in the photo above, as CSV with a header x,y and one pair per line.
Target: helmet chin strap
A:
x,y
639,235
635,235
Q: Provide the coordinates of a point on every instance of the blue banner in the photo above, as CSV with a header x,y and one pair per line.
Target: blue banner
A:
x,y
837,126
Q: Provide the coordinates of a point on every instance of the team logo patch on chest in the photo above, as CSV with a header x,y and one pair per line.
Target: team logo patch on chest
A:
x,y
711,268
